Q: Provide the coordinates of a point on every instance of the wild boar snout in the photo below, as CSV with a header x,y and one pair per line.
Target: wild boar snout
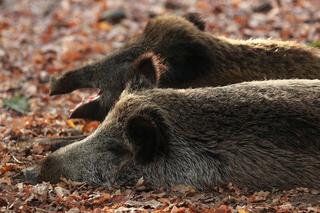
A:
x,y
31,174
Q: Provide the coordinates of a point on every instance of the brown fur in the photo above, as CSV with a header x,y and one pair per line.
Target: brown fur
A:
x,y
260,135
193,58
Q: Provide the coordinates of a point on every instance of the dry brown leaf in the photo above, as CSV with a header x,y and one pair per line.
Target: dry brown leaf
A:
x,y
105,197
90,126
223,209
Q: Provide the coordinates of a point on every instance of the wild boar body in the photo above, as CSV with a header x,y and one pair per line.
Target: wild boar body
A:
x,y
258,135
193,58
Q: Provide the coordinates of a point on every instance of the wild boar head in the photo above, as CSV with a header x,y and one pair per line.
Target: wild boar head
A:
x,y
113,154
173,38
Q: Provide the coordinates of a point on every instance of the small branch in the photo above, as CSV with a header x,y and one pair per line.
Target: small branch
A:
x,y
15,159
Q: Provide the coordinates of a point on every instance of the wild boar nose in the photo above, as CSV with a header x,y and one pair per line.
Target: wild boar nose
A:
x,y
31,174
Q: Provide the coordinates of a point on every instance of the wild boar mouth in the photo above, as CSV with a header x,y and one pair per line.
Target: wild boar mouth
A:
x,y
89,107
84,101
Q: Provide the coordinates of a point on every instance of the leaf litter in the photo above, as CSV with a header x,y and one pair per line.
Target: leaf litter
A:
x,y
43,38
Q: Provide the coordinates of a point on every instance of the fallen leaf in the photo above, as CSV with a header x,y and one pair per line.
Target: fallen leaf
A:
x,y
223,209
40,191
7,167
61,192
104,26
90,126
151,203
242,210
178,210
18,103
70,123
184,189
315,44
102,199
259,196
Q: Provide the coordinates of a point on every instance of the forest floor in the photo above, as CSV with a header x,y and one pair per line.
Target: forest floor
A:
x,y
39,39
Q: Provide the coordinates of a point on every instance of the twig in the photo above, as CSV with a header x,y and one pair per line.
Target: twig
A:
x,y
15,159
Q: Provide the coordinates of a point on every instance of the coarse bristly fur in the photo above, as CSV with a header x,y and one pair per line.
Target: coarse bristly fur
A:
x,y
193,58
259,135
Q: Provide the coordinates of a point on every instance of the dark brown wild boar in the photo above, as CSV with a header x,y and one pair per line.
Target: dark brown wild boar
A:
x,y
259,134
194,58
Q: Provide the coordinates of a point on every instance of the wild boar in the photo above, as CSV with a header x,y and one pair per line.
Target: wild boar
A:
x,y
259,135
194,58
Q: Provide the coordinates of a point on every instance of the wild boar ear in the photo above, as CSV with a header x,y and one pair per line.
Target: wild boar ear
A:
x,y
148,135
196,19
145,72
